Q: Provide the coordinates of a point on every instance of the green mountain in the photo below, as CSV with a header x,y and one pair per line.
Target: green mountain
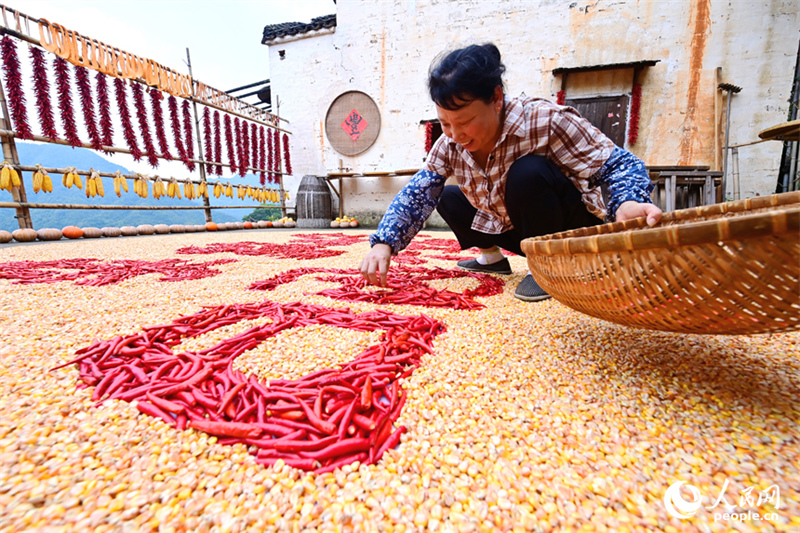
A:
x,y
60,156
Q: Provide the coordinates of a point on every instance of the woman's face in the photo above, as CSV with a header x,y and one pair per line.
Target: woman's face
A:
x,y
476,125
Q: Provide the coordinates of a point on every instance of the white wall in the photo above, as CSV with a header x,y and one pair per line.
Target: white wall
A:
x,y
384,49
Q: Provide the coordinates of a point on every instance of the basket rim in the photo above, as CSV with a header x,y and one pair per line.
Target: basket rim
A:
x,y
619,236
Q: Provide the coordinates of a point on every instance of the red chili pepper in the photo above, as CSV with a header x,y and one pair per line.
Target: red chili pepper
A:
x,y
166,405
350,459
304,445
274,429
364,422
366,394
229,396
342,447
391,442
181,421
228,429
346,419
323,425
151,410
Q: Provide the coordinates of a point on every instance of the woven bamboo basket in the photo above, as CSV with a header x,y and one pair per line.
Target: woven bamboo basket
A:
x,y
731,268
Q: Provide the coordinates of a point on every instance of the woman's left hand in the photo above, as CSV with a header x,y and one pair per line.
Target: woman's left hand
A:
x,y
630,210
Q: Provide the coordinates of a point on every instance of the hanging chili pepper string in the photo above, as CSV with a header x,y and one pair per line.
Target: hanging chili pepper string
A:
x,y
125,118
188,136
158,119
270,163
237,132
286,158
229,144
209,154
561,97
428,136
262,156
217,144
65,102
16,94
245,161
87,104
106,126
636,101
254,145
41,88
276,157
144,127
175,121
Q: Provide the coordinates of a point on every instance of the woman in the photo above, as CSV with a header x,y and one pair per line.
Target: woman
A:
x,y
525,167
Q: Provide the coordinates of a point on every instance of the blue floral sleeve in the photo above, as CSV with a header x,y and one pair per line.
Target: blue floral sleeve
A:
x,y
625,178
410,208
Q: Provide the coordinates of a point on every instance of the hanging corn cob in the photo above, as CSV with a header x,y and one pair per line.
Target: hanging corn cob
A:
x,y
41,180
202,190
71,178
189,190
120,183
173,189
218,190
158,188
9,177
41,88
140,186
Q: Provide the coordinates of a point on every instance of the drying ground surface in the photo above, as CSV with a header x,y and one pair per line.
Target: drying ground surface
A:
x,y
525,417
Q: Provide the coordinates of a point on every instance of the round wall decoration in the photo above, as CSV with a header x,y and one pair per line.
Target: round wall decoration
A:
x,y
352,123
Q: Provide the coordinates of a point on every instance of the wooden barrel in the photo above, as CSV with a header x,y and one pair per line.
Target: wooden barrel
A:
x,y
313,203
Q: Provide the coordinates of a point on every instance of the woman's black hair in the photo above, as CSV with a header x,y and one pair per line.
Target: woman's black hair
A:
x,y
457,78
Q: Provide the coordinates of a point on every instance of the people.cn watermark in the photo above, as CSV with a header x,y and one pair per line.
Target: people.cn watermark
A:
x,y
678,507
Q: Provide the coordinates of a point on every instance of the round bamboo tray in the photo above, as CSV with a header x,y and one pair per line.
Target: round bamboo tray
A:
x,y
731,268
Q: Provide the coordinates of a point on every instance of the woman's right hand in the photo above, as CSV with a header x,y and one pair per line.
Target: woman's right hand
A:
x,y
375,265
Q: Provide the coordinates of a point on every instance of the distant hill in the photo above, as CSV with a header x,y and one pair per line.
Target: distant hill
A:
x,y
59,156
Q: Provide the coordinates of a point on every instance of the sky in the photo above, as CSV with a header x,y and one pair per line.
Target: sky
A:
x,y
223,37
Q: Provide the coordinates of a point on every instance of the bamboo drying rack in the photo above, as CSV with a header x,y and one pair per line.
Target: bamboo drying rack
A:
x,y
7,138
731,268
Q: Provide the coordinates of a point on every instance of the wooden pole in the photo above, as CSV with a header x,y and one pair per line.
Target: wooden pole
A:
x,y
23,215
27,205
199,140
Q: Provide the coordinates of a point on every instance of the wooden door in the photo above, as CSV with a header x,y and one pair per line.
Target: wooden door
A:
x,y
609,114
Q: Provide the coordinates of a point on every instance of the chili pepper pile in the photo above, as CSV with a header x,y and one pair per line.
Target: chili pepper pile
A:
x,y
93,272
405,286
320,422
288,251
329,239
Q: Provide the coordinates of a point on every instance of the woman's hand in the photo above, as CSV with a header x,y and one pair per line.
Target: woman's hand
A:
x,y
630,210
377,261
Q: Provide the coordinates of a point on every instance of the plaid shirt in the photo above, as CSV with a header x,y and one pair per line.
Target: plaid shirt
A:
x,y
531,126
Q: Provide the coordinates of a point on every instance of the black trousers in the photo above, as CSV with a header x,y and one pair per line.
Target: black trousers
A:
x,y
539,199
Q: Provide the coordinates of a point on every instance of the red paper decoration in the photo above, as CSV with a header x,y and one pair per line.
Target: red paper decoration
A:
x,y
41,89
125,118
65,102
636,101
16,94
428,136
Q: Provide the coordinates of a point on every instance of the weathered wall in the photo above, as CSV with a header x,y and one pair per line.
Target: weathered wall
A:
x,y
384,49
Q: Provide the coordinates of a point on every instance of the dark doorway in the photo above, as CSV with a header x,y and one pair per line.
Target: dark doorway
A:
x,y
609,114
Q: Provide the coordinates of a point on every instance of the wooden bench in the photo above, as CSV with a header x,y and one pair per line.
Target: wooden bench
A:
x,y
340,175
684,187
